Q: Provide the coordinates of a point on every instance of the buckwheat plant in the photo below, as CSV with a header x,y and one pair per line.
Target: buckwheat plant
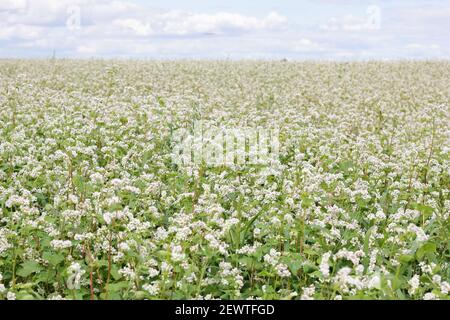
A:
x,y
356,204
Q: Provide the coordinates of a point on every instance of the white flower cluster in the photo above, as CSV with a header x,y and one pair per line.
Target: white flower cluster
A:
x,y
60,244
355,205
272,258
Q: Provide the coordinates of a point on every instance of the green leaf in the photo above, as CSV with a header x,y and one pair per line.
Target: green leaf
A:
x,y
115,273
405,258
294,266
45,276
28,268
425,210
306,201
23,295
310,251
396,282
366,260
247,261
53,258
102,263
140,295
309,267
294,262
25,285
119,286
427,248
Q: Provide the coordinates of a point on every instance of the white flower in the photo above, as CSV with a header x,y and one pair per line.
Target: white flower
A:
x,y
430,296
60,244
166,268
11,296
445,287
152,272
4,244
272,257
161,234
73,198
177,253
127,272
57,297
97,177
324,266
152,289
350,255
16,200
308,293
414,282
282,270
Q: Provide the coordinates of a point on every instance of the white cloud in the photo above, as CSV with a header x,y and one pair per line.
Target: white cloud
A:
x,y
140,18
371,20
138,27
305,45
181,23
19,32
349,23
127,28
429,14
429,50
86,50
12,5
121,27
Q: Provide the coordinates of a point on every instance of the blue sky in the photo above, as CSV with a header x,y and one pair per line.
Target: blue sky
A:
x,y
217,29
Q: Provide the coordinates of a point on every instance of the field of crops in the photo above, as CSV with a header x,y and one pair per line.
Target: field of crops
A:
x,y
356,205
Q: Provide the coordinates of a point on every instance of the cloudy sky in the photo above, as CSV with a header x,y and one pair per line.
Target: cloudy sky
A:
x,y
232,29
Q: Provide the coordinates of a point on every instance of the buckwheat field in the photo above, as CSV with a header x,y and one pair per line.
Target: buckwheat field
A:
x,y
93,204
